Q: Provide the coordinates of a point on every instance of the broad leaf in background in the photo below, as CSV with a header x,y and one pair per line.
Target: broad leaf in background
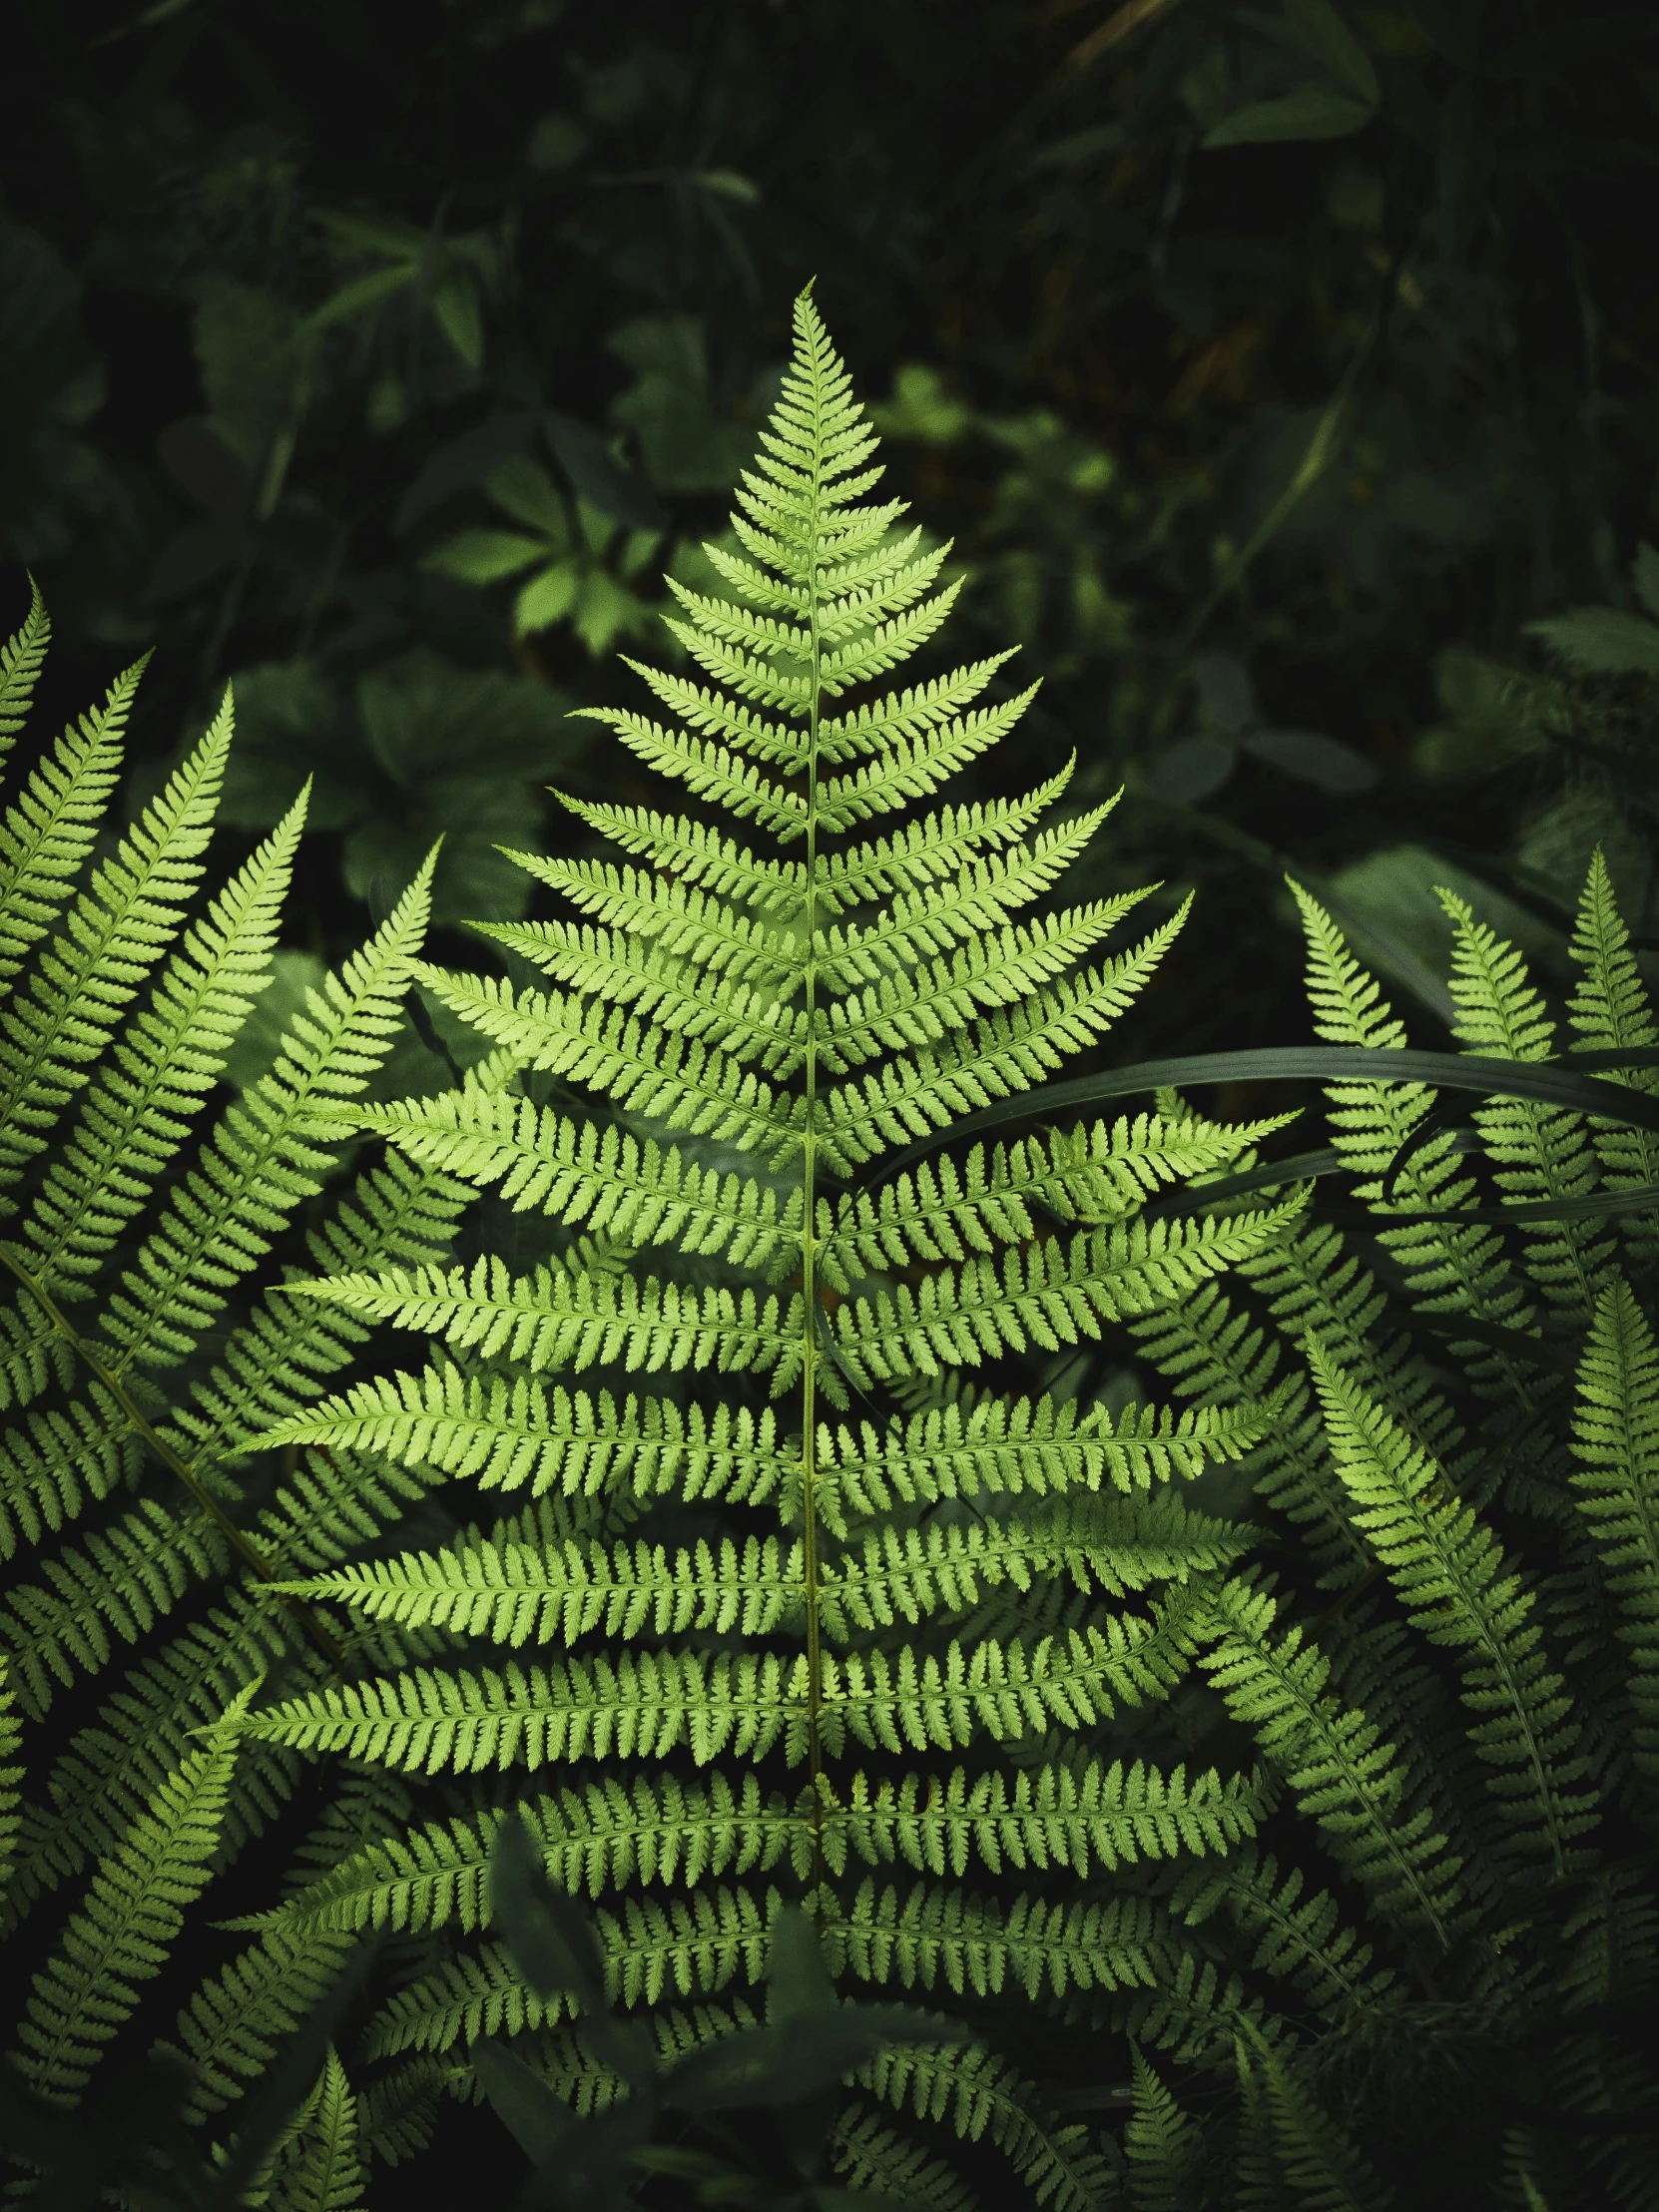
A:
x,y
1196,767
425,750
1606,641
565,545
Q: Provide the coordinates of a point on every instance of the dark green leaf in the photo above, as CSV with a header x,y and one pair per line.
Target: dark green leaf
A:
x,y
465,464
1321,34
553,1945
1192,768
597,476
1322,762
1602,640
1311,112
797,1981
1552,1083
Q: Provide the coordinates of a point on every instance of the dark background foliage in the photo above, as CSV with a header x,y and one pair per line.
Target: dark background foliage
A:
x,y
1272,369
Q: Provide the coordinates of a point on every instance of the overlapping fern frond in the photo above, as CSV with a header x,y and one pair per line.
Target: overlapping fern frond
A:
x,y
140,1347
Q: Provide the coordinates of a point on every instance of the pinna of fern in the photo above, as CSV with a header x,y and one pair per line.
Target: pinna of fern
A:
x,y
774,1636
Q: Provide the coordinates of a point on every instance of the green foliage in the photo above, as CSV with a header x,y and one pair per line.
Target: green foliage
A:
x,y
784,2072
993,1579
1284,1754
1261,359
835,1030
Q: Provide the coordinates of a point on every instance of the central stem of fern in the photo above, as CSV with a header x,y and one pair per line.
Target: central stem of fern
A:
x,y
808,1246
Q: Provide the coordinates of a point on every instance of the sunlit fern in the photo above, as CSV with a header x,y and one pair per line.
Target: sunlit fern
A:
x,y
770,1635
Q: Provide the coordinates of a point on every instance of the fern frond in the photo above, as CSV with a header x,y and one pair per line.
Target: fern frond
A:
x,y
11,1738
1051,1815
1164,2144
1342,1774
1611,1009
117,1584
97,1787
876,2161
983,896
21,659
931,999
275,1364
696,854
751,675
868,729
1303,1940
997,1057
1101,1172
942,1699
400,2107
137,1109
640,1705
515,1592
778,745
989,1579
644,1704
53,1464
1448,1569
1538,1152
679,1082
328,2175
264,1156
47,832
1450,1266
1616,1438
1322,2165
462,1999
231,2028
619,969
599,1179
521,1584
1052,1295
555,1318
1194,2007
923,1936
601,1836
687,923
707,771
123,1932
981,2095
1009,1447
911,769
940,846
162,1066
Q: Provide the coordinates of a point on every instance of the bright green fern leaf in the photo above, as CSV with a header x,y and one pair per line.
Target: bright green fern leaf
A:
x,y
738,1019
327,2172
1616,1435
130,1918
